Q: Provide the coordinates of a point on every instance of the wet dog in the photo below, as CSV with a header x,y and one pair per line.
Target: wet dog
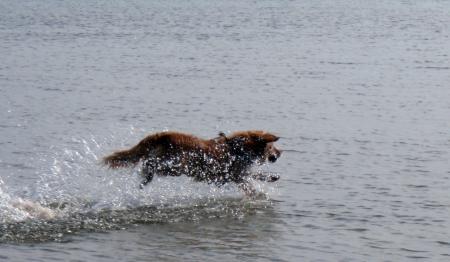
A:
x,y
219,160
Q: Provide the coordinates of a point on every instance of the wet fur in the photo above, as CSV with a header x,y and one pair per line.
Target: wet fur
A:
x,y
219,160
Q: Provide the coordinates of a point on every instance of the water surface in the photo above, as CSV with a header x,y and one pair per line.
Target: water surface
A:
x,y
357,89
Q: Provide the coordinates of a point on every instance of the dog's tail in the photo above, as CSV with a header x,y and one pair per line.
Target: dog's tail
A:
x,y
122,158
130,157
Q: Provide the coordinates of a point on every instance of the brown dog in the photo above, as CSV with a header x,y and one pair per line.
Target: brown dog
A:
x,y
219,160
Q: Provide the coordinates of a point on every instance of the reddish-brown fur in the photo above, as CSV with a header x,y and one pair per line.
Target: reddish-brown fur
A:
x,y
219,160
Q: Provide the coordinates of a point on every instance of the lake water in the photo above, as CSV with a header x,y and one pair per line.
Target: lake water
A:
x,y
358,90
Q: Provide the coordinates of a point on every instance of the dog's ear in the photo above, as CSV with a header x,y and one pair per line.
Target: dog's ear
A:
x,y
268,138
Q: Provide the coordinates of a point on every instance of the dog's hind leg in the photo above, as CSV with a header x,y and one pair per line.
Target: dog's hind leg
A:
x,y
147,172
148,179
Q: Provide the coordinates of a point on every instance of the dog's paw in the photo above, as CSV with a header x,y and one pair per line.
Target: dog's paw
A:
x,y
266,176
272,177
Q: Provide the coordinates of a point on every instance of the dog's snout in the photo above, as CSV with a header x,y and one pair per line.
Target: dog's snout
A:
x,y
272,158
272,153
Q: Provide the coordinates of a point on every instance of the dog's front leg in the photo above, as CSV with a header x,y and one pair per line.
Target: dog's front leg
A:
x,y
247,188
265,176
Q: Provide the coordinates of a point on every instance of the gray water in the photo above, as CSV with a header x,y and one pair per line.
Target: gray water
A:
x,y
359,91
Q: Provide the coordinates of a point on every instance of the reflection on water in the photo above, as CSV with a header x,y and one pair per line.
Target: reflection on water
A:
x,y
224,228
67,223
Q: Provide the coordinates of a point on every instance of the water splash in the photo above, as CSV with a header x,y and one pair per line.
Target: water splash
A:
x,y
75,193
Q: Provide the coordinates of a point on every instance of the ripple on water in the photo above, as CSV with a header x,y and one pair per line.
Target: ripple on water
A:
x,y
61,227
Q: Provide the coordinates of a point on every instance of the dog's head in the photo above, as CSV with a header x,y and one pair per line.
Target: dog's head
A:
x,y
254,146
